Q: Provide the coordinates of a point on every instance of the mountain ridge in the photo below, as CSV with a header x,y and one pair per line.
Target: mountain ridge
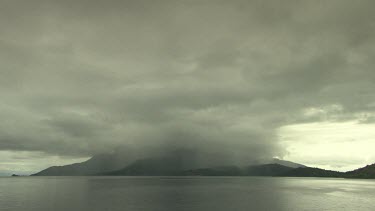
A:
x,y
182,166
94,165
174,164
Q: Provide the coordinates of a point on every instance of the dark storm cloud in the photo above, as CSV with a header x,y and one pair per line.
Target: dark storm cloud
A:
x,y
85,77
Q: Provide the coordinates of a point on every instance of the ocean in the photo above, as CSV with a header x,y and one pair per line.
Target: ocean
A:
x,y
184,193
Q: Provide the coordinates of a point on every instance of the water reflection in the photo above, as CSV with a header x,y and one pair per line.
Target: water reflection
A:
x,y
184,193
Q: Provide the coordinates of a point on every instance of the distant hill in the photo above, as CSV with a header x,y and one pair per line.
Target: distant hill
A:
x,y
215,171
178,162
168,165
95,165
254,170
267,170
181,163
285,163
367,172
311,172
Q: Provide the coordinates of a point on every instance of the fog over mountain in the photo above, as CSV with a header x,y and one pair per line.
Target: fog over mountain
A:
x,y
228,80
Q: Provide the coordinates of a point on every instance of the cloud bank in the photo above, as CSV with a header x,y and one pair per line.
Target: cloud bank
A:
x,y
78,78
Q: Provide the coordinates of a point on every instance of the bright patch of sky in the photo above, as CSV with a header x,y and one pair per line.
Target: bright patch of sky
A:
x,y
338,146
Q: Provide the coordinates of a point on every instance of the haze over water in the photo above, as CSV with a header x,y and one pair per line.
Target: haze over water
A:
x,y
184,193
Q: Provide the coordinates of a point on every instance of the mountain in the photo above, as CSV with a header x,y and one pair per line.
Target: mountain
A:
x,y
179,163
254,170
215,171
172,167
367,172
267,170
95,165
312,172
172,164
149,167
285,163
182,163
119,159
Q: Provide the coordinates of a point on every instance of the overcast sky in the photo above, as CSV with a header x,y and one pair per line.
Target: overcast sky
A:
x,y
243,79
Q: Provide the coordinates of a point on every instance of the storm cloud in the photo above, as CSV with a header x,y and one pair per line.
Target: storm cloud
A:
x,y
78,78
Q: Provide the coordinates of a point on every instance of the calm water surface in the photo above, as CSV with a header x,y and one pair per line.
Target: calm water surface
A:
x,y
184,193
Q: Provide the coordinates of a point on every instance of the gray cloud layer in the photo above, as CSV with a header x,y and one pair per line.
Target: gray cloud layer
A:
x,y
85,77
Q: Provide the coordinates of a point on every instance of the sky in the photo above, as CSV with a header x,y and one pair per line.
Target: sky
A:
x,y
241,80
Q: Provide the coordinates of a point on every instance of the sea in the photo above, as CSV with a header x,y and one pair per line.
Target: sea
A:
x,y
184,193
